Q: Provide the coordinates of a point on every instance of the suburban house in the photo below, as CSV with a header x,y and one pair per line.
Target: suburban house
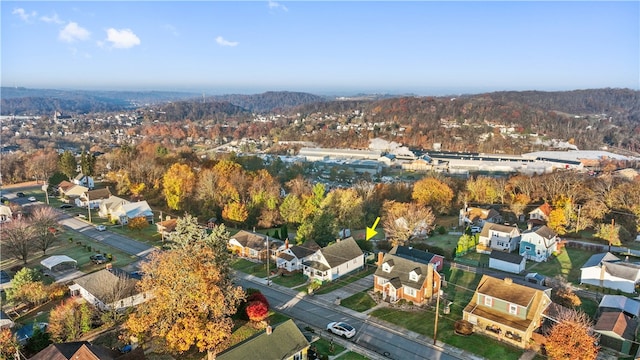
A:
x,y
282,341
608,271
166,228
399,278
84,350
617,331
110,288
131,210
478,216
498,237
93,198
109,205
509,262
539,215
622,303
334,261
506,310
420,256
252,245
84,180
69,190
5,213
292,257
538,244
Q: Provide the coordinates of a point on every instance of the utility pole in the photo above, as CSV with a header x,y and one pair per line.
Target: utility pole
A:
x,y
268,256
435,326
578,221
89,205
611,235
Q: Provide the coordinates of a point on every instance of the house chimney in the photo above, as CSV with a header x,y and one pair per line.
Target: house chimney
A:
x,y
269,330
380,257
508,281
529,225
109,266
286,243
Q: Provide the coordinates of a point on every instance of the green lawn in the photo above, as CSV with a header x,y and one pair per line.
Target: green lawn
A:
x,y
148,235
342,281
351,356
567,264
358,302
324,347
290,280
252,268
423,322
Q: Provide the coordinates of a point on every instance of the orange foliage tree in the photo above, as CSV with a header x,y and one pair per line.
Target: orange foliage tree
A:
x,y
192,296
178,183
434,193
9,345
138,223
572,337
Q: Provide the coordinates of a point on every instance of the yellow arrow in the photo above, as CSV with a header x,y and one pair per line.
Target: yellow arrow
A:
x,y
371,231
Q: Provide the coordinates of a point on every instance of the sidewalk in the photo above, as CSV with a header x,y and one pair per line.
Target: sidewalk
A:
x,y
328,301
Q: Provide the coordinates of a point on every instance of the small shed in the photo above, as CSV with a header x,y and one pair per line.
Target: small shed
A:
x,y
5,321
535,278
509,262
58,262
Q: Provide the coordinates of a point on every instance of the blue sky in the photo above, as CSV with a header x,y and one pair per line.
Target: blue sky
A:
x,y
420,47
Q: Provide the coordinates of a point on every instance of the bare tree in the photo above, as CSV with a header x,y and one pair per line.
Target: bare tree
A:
x,y
123,287
404,221
18,239
44,220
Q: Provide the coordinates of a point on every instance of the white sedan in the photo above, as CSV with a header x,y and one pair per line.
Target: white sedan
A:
x,y
342,329
101,228
32,198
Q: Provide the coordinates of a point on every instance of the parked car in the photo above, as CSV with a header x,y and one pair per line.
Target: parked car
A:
x,y
101,228
341,329
476,229
98,259
20,194
32,198
66,206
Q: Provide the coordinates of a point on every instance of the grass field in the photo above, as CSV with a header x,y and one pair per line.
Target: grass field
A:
x,y
342,281
290,280
567,264
358,302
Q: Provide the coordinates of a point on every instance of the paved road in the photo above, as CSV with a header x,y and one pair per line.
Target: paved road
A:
x,y
377,339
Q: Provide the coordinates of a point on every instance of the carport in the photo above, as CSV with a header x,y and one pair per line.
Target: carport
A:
x,y
59,262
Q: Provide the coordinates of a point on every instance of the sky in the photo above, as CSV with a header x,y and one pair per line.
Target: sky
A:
x,y
321,47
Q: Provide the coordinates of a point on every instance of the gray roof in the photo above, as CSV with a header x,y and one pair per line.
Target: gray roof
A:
x,y
497,227
309,247
101,283
316,265
544,232
416,255
341,251
255,241
621,302
596,259
400,270
284,341
623,270
506,257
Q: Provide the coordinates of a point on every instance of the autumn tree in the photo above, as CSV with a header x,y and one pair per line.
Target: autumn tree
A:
x,y
467,242
138,223
257,308
346,207
23,278
18,239
558,221
264,199
291,209
43,165
404,221
69,321
609,233
590,214
9,346
433,193
235,212
572,337
518,203
44,221
562,292
192,296
319,227
68,164
178,183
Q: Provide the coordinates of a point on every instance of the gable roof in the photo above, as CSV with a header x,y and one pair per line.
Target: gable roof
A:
x,y
545,209
416,255
167,225
596,259
543,231
622,269
101,283
137,209
307,248
506,290
65,185
478,213
512,258
77,350
621,302
284,341
54,260
341,251
255,241
98,194
400,270
617,323
113,202
497,227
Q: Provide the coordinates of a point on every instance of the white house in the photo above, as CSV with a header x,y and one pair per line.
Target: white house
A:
x,y
334,261
509,262
253,245
540,215
538,244
131,210
109,205
109,289
498,237
608,271
93,198
5,213
84,180
292,257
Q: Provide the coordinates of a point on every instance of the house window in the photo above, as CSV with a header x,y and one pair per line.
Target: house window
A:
x,y
488,301
528,248
297,356
382,281
410,291
386,267
413,276
513,309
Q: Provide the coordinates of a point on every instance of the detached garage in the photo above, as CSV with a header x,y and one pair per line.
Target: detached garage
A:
x,y
509,262
59,262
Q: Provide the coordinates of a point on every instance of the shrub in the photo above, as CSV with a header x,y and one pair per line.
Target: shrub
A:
x,y
257,311
442,230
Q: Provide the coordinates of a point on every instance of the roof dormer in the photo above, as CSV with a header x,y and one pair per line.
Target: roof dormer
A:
x,y
387,266
414,275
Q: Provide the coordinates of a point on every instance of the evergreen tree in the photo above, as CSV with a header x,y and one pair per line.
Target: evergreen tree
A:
x,y
68,164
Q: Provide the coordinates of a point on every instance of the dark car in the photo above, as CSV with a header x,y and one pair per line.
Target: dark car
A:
x,y
20,194
98,259
66,206
4,277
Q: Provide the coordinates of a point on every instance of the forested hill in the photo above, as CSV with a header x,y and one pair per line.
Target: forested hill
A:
x,y
21,101
270,101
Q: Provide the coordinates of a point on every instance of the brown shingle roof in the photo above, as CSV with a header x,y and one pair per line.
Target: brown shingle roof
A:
x,y
341,252
618,323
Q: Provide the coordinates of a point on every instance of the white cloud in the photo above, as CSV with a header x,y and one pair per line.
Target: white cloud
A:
x,y
122,39
172,29
23,14
222,42
73,32
275,5
54,19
